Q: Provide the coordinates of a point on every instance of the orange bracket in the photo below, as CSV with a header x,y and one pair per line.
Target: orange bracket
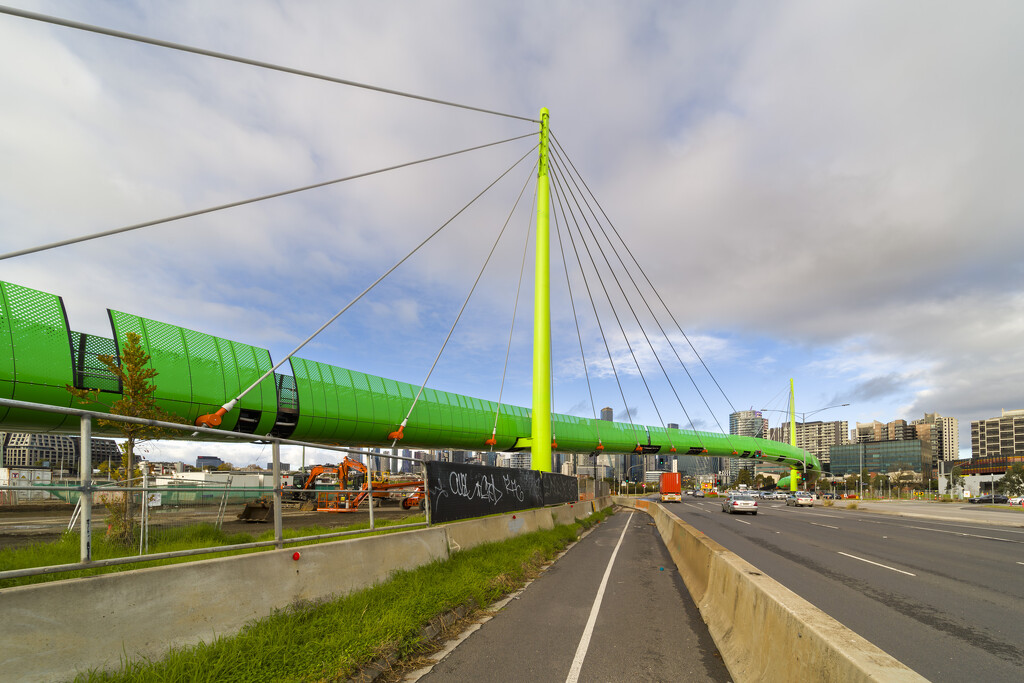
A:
x,y
397,436
211,420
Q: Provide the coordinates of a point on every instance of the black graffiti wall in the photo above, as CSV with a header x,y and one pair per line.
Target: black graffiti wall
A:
x,y
463,491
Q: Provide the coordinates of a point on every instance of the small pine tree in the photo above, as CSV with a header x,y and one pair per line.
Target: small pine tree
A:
x,y
136,377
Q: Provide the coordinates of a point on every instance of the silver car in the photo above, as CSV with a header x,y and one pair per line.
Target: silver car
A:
x,y
799,498
740,503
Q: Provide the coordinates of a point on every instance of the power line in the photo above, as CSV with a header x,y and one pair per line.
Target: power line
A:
x,y
35,16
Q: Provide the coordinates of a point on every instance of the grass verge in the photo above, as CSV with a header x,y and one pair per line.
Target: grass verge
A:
x,y
66,549
332,640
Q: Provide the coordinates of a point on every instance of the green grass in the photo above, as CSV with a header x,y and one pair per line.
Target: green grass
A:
x,y
332,640
173,539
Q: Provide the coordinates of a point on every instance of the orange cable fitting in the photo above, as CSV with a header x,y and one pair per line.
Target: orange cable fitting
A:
x,y
397,436
211,420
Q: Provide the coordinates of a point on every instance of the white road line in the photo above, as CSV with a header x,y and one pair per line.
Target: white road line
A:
x,y
588,631
961,533
877,564
824,525
1020,563
742,522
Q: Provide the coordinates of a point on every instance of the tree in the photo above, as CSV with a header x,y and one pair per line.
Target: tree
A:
x,y
743,478
137,390
1012,483
225,467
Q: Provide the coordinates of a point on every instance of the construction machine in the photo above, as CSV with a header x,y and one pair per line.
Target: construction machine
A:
x,y
349,490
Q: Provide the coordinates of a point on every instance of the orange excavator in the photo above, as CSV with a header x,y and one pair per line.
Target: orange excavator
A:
x,y
350,475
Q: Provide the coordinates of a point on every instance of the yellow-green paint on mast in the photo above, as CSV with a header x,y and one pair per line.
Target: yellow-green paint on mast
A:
x,y
794,473
540,442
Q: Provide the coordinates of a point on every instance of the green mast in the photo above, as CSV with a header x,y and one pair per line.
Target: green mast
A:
x,y
794,473
540,441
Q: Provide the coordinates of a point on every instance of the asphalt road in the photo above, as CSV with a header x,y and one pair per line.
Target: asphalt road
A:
x,y
944,596
645,629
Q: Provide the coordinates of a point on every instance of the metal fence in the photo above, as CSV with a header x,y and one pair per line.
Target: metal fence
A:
x,y
157,505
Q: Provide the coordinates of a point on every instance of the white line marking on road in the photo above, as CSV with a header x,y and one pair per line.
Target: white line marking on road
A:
x,y
824,525
885,566
695,507
961,533
742,522
588,631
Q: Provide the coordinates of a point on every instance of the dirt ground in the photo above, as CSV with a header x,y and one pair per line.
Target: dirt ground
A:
x,y
30,523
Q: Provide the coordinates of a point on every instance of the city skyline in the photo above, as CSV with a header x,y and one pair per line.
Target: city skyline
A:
x,y
810,204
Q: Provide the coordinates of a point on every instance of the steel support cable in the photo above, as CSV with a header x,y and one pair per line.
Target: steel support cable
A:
x,y
597,317
667,338
560,171
575,317
214,419
508,351
644,273
397,435
67,23
253,200
618,321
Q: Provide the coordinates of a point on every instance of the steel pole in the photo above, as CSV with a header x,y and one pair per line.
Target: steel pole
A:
x,y
276,468
85,497
540,433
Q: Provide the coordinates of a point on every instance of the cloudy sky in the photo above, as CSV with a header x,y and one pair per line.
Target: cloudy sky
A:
x,y
827,192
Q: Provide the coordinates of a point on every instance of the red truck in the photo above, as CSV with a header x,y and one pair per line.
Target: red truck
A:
x,y
671,487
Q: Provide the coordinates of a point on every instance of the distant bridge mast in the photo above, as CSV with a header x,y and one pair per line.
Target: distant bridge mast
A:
x,y
794,473
540,432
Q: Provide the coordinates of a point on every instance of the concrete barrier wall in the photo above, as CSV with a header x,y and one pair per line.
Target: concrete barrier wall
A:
x,y
53,630
764,631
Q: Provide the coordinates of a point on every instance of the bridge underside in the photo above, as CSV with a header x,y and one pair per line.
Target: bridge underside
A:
x,y
320,403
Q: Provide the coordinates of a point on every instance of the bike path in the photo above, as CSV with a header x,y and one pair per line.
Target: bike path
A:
x,y
645,628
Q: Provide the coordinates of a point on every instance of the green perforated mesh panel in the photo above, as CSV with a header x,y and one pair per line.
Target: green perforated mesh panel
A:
x,y
35,355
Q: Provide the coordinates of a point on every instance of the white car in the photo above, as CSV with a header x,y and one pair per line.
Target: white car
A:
x,y
1019,500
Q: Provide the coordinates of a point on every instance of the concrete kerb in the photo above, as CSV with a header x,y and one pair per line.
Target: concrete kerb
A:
x,y
764,631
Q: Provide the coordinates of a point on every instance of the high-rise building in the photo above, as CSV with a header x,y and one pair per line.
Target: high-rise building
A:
x,y
1002,435
817,438
54,451
744,423
942,433
607,414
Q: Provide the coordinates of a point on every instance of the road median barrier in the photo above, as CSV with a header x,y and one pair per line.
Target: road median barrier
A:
x,y
763,630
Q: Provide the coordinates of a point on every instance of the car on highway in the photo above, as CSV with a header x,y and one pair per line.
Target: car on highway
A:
x,y
698,494
740,503
1019,500
798,498
989,498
